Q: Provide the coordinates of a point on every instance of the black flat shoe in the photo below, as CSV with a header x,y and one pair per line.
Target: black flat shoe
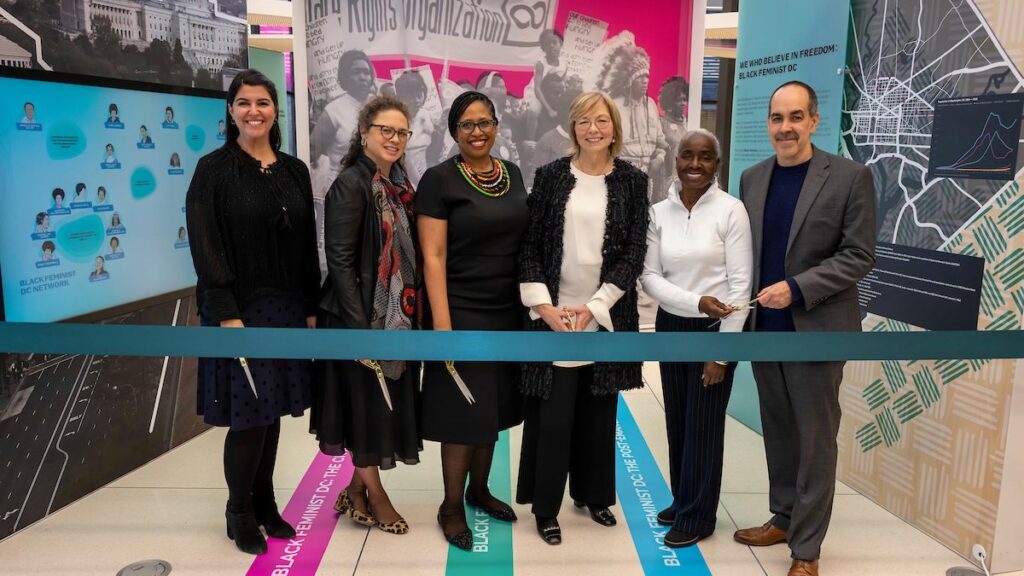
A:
x,y
549,530
462,540
667,517
271,520
602,516
683,539
502,512
242,528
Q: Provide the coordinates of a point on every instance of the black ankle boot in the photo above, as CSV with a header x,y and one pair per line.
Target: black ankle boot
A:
x,y
242,528
267,516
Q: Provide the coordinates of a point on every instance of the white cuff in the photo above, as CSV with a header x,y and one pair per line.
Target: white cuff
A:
x,y
534,294
601,303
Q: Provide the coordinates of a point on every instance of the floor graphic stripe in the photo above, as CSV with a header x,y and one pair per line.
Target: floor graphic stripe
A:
x,y
311,511
642,489
492,539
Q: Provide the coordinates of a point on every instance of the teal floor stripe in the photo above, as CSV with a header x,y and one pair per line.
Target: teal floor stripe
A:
x,y
642,492
492,539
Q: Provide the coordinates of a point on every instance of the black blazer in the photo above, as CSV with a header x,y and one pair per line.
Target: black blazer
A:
x,y
623,250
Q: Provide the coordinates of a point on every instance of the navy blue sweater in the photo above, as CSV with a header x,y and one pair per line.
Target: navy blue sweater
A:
x,y
783,193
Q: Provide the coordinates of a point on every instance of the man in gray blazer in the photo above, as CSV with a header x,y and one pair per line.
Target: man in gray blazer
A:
x,y
813,220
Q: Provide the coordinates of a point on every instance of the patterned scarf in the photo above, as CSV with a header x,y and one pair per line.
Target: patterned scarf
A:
x,y
394,297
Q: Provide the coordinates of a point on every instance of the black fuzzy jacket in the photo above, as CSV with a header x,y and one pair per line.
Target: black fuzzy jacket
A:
x,y
623,250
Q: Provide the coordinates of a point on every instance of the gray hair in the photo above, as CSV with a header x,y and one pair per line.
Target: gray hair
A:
x,y
703,132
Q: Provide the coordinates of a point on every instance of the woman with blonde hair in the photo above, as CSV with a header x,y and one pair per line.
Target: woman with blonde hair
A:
x,y
578,266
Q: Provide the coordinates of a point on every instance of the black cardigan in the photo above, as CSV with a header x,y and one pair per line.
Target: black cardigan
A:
x,y
623,250
239,249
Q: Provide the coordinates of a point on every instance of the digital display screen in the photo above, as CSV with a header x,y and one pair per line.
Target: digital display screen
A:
x,y
92,192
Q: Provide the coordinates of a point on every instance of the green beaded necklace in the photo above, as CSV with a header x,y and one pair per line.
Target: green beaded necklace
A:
x,y
495,186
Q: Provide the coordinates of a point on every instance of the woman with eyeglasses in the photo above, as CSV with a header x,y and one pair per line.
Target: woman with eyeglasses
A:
x,y
578,267
699,268
471,214
373,282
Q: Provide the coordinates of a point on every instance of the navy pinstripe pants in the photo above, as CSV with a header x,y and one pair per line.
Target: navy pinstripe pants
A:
x,y
695,421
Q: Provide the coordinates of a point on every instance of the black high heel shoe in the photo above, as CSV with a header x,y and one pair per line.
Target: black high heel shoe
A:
x,y
242,528
602,516
462,540
549,530
267,515
503,512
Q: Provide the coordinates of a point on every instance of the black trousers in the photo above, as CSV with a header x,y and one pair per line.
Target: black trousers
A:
x,y
695,421
569,435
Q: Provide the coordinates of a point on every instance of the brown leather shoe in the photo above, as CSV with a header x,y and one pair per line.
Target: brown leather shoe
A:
x,y
803,568
766,535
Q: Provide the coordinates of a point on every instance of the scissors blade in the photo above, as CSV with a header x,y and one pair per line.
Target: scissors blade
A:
x,y
460,382
248,375
379,372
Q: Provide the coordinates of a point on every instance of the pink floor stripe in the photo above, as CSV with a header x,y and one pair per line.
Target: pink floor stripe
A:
x,y
311,511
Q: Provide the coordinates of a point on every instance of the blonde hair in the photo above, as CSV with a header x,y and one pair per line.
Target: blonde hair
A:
x,y
583,104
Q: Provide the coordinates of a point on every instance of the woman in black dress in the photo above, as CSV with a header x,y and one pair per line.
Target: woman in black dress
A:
x,y
369,407
249,212
578,268
471,214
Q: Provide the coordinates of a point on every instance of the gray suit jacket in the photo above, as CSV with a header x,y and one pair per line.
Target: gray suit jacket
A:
x,y
831,243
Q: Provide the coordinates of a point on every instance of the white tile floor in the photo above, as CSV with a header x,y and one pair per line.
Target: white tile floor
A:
x,y
171,510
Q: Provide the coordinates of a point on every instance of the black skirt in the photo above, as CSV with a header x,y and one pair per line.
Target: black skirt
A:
x,y
349,411
447,416
225,397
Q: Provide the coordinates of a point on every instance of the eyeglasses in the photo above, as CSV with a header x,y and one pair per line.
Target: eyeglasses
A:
x,y
602,123
468,126
388,132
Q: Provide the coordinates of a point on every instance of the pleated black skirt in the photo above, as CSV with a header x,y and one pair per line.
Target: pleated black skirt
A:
x,y
350,413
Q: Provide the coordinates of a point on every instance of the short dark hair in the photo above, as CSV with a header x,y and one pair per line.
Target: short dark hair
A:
x,y
48,245
345,63
459,106
29,104
812,96
112,108
253,77
57,192
79,187
40,217
409,83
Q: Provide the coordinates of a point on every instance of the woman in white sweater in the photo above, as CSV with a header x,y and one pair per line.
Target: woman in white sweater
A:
x,y
698,267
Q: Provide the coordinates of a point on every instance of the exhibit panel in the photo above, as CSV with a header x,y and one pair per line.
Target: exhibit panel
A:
x,y
939,125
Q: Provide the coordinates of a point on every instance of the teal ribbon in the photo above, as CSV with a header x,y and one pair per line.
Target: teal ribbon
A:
x,y
121,340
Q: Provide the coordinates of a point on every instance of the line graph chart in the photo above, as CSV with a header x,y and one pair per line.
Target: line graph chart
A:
x,y
976,137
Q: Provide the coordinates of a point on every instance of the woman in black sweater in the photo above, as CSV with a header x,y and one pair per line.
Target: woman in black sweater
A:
x,y
578,267
249,212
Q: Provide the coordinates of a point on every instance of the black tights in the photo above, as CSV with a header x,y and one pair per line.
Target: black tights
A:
x,y
249,457
457,462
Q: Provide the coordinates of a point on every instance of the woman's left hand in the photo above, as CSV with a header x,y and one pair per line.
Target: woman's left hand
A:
x,y
714,373
310,322
583,317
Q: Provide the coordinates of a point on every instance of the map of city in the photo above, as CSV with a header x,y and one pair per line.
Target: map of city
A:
x,y
902,64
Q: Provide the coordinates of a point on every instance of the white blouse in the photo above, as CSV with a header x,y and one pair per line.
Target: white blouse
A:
x,y
705,251
582,241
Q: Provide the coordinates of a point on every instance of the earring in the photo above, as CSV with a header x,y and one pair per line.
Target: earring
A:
x,y
363,143
232,121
